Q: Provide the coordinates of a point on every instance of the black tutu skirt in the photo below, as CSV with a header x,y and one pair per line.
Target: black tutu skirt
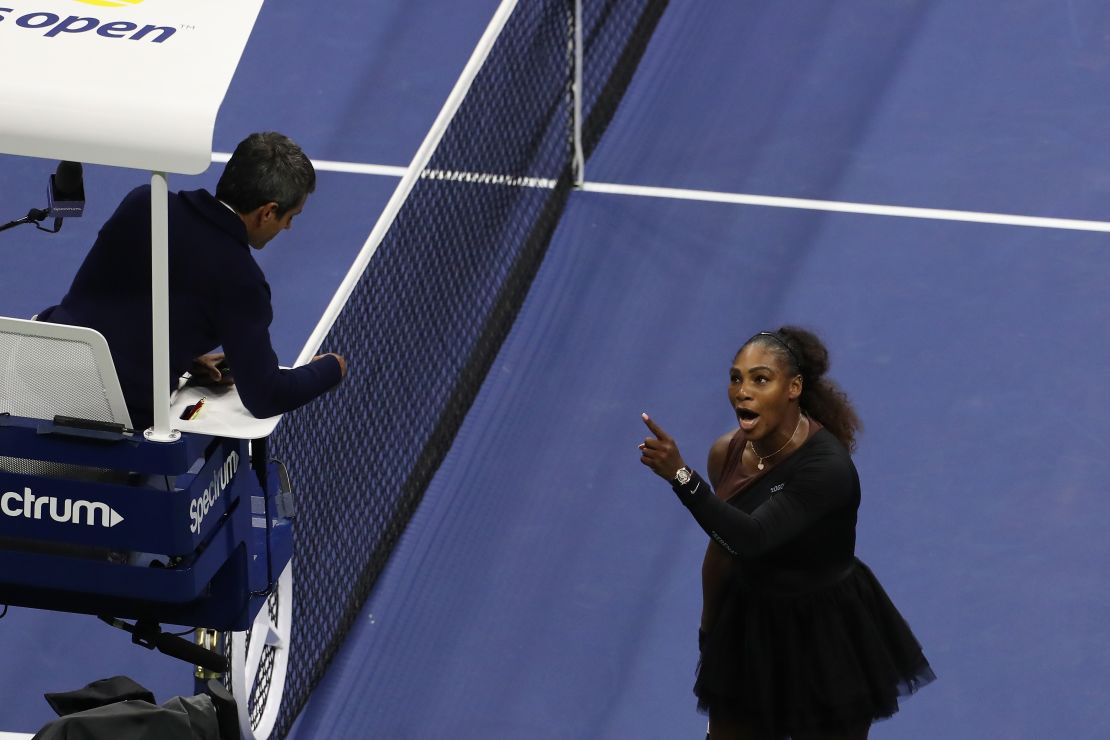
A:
x,y
831,656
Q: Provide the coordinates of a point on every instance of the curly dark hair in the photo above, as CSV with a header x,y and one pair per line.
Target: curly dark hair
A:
x,y
803,353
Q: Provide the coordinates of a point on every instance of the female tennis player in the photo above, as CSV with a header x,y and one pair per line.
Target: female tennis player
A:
x,y
798,639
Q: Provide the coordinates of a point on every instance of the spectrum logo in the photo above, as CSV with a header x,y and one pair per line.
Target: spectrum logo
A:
x,y
27,505
52,24
221,479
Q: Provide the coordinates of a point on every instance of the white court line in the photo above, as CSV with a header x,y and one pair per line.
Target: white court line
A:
x,y
871,209
15,736
482,178
328,166
488,178
711,196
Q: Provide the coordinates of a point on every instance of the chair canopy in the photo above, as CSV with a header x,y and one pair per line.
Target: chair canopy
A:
x,y
128,83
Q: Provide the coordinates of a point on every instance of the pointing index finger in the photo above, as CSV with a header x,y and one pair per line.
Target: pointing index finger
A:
x,y
655,429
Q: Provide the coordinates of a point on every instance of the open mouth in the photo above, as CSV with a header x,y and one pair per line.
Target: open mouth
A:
x,y
747,418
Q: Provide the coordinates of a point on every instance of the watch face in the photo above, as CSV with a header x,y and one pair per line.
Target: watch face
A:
x,y
682,476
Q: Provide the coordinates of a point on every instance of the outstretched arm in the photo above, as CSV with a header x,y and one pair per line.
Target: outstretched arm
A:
x,y
822,483
264,387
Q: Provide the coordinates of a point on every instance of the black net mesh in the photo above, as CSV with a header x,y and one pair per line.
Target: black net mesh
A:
x,y
260,691
615,34
428,316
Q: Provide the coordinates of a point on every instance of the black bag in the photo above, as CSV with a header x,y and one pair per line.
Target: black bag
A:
x,y
119,709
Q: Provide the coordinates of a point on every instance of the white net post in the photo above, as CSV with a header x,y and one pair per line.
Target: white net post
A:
x,y
579,156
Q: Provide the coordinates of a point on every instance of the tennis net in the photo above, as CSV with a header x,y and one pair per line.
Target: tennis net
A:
x,y
425,319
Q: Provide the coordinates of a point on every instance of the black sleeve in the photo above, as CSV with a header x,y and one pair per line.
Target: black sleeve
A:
x,y
266,389
822,482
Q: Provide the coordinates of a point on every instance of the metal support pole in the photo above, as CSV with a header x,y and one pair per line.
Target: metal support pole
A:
x,y
160,307
579,156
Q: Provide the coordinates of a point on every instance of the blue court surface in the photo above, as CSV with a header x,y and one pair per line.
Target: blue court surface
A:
x,y
548,585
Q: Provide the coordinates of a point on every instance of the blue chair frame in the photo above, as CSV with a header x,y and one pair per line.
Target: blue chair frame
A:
x,y
217,516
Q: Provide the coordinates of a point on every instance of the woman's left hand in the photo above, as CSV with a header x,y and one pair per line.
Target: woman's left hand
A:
x,y
659,452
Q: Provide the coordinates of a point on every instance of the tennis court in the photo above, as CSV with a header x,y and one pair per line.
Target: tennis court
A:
x,y
547,585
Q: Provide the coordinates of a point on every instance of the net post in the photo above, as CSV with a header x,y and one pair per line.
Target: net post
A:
x,y
579,157
160,307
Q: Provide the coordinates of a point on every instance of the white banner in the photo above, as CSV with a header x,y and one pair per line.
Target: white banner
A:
x,y
129,83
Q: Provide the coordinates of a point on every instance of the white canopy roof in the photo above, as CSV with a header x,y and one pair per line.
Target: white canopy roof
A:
x,y
129,83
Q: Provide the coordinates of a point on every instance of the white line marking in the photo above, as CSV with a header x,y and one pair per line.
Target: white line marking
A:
x,y
482,178
488,178
329,166
712,196
871,209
